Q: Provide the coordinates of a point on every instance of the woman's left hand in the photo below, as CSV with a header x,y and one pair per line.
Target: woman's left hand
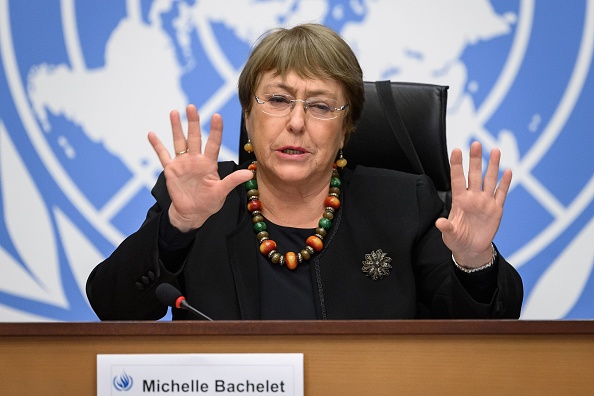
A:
x,y
477,207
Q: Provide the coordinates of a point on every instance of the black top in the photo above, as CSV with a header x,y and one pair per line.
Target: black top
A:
x,y
220,269
286,294
289,295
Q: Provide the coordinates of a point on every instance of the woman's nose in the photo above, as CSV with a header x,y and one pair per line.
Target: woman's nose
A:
x,y
297,116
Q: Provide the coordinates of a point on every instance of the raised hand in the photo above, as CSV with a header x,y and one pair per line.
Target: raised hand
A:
x,y
477,207
195,188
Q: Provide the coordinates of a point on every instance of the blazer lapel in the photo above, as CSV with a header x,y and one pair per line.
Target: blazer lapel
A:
x,y
244,263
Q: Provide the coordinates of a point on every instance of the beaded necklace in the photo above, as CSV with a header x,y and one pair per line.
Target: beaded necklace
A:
x,y
313,244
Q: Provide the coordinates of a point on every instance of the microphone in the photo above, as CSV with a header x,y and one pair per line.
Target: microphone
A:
x,y
169,295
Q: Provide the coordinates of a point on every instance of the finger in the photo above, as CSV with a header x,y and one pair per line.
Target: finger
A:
x,y
179,140
475,167
213,145
159,148
503,188
234,179
194,132
443,225
492,173
457,172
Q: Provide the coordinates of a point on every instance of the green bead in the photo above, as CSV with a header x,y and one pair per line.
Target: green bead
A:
x,y
325,223
260,226
251,184
335,182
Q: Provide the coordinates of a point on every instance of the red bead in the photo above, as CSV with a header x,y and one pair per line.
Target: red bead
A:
x,y
332,201
267,246
252,167
315,243
254,204
291,260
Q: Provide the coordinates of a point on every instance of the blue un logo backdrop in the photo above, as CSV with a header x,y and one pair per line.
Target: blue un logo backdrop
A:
x,y
81,84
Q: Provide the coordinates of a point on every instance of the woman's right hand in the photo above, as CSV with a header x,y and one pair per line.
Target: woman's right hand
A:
x,y
196,190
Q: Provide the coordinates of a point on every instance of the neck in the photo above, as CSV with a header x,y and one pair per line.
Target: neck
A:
x,y
291,204
297,204
313,243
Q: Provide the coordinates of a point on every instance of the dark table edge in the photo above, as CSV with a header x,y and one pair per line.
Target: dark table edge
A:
x,y
254,328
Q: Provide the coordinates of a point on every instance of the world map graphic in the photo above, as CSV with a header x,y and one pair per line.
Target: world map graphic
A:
x,y
81,90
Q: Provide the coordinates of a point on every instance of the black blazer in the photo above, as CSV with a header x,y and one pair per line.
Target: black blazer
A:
x,y
380,209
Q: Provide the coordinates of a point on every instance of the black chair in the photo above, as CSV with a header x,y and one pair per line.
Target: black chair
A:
x,y
402,127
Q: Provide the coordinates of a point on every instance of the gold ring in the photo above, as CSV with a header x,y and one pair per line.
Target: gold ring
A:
x,y
181,152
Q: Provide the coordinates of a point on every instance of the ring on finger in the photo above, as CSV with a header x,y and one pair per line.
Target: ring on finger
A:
x,y
181,152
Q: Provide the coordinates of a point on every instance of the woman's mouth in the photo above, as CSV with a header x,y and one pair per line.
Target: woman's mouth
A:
x,y
292,151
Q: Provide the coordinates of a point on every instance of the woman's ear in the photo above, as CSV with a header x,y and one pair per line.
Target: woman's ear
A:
x,y
343,137
246,115
248,147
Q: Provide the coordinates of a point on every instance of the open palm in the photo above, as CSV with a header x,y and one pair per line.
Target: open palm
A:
x,y
193,183
477,207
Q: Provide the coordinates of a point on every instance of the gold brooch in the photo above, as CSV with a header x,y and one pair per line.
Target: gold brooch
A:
x,y
376,265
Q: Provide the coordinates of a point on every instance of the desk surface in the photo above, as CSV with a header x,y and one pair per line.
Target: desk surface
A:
x,y
340,357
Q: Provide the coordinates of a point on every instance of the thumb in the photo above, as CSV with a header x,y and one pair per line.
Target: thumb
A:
x,y
234,179
443,225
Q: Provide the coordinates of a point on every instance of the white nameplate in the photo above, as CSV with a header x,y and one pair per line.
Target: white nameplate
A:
x,y
201,374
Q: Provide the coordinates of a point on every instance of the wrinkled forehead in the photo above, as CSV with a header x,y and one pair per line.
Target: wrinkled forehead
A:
x,y
295,83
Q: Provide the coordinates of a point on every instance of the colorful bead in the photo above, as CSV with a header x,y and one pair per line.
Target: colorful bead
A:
x,y
254,204
315,243
305,254
332,202
291,260
262,234
253,166
335,190
341,162
275,257
260,226
335,182
251,184
267,246
325,223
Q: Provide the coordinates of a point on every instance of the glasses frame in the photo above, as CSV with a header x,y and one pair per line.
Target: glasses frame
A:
x,y
305,102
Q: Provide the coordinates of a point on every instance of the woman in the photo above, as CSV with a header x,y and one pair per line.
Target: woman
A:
x,y
294,238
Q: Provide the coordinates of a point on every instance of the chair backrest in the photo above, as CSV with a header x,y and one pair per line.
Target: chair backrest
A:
x,y
402,127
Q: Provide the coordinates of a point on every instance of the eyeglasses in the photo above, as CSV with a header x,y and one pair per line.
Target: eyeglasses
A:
x,y
281,105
